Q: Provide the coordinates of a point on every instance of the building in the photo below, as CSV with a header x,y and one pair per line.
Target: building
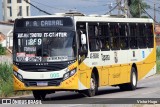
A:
x,y
13,9
6,39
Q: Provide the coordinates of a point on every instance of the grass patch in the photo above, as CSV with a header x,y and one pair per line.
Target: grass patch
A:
x,y
6,82
158,59
2,50
158,66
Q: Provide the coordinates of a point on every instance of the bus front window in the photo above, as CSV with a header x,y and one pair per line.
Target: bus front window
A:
x,y
47,47
60,48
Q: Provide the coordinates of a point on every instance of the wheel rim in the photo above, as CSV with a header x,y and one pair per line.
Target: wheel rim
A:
x,y
92,84
134,79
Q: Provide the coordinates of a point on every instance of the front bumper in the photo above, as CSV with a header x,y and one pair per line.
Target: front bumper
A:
x,y
68,84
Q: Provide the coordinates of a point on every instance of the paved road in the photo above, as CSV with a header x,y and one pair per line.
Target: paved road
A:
x,y
147,88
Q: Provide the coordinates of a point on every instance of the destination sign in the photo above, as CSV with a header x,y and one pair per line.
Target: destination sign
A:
x,y
44,22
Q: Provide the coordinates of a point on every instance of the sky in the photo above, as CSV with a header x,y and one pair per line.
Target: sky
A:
x,y
84,6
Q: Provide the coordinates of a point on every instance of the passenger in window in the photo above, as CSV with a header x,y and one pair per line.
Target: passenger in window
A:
x,y
107,45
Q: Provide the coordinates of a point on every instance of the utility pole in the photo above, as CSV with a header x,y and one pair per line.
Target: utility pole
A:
x,y
154,11
139,8
119,6
126,8
110,7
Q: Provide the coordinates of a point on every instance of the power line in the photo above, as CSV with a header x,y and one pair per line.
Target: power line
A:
x,y
49,6
153,1
147,13
68,9
76,8
37,8
155,9
113,8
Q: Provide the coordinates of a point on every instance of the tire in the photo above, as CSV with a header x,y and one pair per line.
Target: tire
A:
x,y
132,85
93,87
39,95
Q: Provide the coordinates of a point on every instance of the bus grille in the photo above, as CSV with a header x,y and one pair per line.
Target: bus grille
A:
x,y
53,82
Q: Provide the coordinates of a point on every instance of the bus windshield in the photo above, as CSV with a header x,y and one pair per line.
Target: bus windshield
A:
x,y
45,47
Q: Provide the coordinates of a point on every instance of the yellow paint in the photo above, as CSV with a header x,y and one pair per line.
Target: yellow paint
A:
x,y
15,68
73,66
104,81
83,78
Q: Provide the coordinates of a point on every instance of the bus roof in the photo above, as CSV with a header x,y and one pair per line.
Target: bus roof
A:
x,y
96,18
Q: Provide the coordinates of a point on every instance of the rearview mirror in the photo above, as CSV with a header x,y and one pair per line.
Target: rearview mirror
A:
x,y
83,39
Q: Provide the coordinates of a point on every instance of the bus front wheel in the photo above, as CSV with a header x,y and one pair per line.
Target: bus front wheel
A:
x,y
133,81
39,95
93,87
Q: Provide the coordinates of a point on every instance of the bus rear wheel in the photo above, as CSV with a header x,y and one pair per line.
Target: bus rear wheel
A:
x,y
39,95
93,87
133,81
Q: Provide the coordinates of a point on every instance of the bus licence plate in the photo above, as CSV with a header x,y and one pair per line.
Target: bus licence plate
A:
x,y
42,83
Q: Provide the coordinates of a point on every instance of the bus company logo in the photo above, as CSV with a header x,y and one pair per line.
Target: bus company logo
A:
x,y
115,57
94,55
105,57
143,54
134,54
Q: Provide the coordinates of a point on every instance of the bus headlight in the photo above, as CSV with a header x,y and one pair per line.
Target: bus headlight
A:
x,y
72,72
19,76
69,74
66,75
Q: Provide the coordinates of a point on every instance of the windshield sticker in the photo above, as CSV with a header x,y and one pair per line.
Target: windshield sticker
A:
x,y
30,55
29,49
29,59
21,54
54,34
57,58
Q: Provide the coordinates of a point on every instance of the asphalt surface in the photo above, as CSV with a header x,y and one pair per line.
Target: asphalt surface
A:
x,y
148,89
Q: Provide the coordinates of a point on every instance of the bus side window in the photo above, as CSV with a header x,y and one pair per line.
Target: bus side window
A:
x,y
94,42
104,36
142,36
81,29
150,37
114,33
133,36
123,30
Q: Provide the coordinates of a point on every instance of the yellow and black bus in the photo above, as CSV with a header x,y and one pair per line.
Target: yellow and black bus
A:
x,y
74,52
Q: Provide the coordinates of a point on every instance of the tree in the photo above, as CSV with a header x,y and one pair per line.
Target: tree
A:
x,y
136,7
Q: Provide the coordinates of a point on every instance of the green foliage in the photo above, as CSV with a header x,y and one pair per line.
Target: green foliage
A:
x,y
158,59
158,66
2,50
6,83
135,7
144,17
158,53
